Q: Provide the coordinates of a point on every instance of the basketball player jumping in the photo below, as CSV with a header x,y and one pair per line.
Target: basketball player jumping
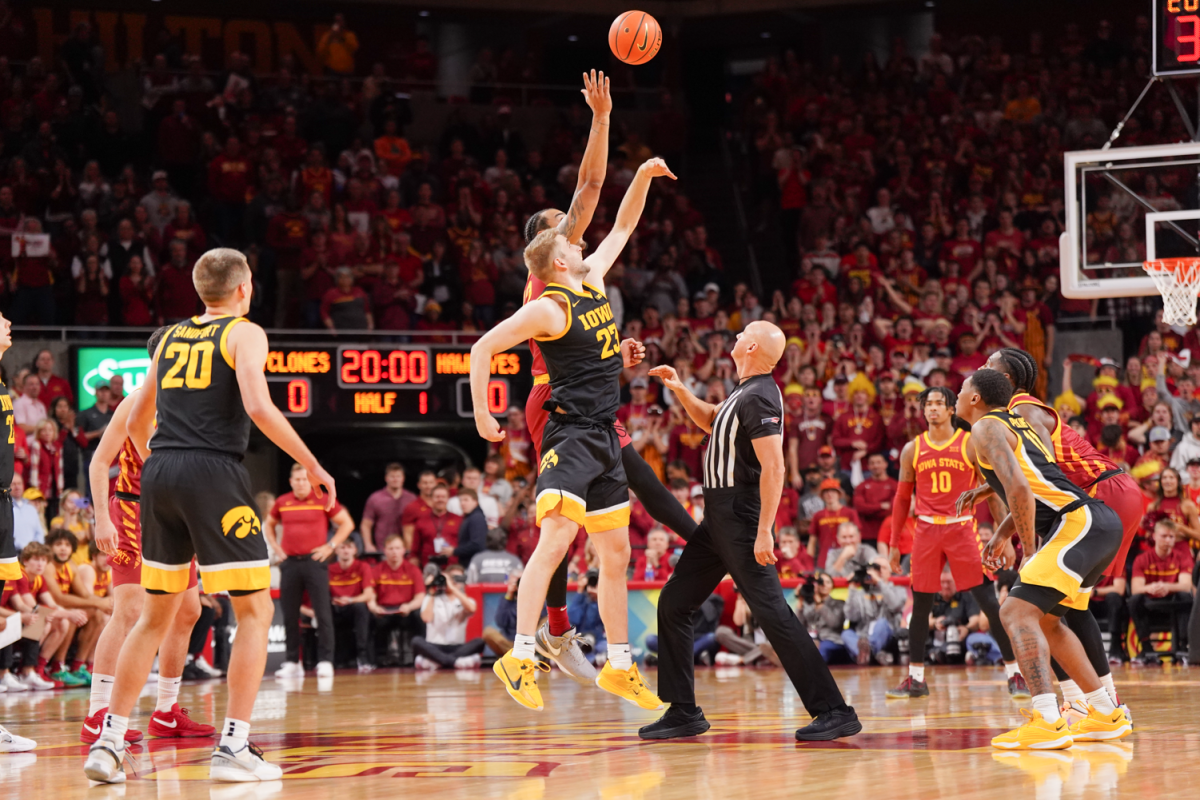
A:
x,y
556,639
124,549
938,465
581,480
205,385
1082,535
10,569
1097,475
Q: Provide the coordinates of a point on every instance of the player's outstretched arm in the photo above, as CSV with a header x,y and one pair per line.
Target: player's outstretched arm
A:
x,y
600,262
140,425
594,164
990,438
248,344
967,501
106,452
702,413
543,317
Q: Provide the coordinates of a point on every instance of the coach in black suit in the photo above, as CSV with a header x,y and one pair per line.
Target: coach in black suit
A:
x,y
743,480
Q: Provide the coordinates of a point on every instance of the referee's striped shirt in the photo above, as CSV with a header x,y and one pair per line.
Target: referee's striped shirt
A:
x,y
753,410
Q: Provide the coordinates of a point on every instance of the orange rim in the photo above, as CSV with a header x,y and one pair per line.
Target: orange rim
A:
x,y
1184,268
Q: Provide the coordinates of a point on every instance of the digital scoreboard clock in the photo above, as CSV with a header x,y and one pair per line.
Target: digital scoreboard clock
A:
x,y
361,383
1176,37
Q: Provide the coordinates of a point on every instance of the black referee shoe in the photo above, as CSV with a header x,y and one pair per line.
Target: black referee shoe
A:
x,y
830,725
676,724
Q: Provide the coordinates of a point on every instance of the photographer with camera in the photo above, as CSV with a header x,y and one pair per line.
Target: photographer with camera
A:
x,y
823,616
851,554
875,609
583,610
950,619
445,612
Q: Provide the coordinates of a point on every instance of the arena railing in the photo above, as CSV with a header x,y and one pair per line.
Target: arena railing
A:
x,y
77,334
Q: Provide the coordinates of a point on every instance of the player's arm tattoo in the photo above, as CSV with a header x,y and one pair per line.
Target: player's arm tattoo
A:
x,y
571,219
991,442
908,473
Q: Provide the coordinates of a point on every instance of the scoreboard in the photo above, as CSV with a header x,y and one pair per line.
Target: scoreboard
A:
x,y
352,383
1176,37
370,383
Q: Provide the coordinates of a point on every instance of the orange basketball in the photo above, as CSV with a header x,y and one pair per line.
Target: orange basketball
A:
x,y
635,37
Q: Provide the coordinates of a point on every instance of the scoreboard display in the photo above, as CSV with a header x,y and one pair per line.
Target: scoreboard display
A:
x,y
352,383
372,383
1176,37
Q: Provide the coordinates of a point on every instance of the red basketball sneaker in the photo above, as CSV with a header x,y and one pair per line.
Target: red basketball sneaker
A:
x,y
176,724
95,723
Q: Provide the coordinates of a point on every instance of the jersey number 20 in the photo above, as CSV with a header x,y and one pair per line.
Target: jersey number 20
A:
x,y
196,357
612,341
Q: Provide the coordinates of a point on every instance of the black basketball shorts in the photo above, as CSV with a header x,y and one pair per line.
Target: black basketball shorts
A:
x,y
10,569
581,475
199,503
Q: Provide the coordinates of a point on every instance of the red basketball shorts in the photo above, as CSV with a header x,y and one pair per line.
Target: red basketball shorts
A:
x,y
956,544
1122,495
127,563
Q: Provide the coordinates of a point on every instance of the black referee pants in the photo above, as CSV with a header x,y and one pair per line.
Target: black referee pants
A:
x,y
724,542
298,574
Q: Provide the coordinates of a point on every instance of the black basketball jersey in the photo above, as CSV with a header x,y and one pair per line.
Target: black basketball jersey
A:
x,y
584,360
753,410
10,438
199,401
1052,491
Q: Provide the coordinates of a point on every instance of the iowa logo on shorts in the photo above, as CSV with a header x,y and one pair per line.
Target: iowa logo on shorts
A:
x,y
241,522
550,459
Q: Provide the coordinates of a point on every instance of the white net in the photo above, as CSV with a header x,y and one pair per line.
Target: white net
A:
x,y
1178,279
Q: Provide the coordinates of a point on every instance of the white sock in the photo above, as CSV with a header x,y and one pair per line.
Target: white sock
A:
x,y
1071,692
916,672
523,647
620,656
168,693
1047,704
1107,680
1012,669
114,730
1100,701
102,686
234,733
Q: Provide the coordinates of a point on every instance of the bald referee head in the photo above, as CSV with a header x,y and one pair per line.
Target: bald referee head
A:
x,y
759,348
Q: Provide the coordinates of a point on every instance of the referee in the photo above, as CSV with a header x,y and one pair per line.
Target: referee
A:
x,y
743,480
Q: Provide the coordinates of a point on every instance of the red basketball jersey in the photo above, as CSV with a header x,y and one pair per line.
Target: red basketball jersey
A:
x,y
943,474
533,290
1078,460
130,463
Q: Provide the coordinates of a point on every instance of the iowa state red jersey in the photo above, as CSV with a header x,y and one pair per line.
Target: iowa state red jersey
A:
x,y
533,290
1078,460
943,474
130,463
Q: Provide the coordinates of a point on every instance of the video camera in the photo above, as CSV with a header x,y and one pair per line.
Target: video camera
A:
x,y
808,589
864,577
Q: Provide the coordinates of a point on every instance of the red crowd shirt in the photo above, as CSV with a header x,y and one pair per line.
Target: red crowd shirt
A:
x,y
522,539
642,571
851,427
801,564
305,523
414,512
54,387
431,527
351,581
1154,568
19,586
825,525
397,586
229,178
868,497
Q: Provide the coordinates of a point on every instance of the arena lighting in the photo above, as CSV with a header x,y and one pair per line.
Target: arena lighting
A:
x,y
765,34
572,38
422,13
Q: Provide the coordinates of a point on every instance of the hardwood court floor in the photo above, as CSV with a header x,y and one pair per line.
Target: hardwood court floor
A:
x,y
448,735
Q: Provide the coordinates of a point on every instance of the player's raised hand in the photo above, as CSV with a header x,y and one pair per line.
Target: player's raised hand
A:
x,y
596,93
657,168
106,536
489,428
668,376
318,477
632,352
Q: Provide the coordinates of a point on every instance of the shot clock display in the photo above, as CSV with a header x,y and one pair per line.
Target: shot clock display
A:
x,y
1176,37
361,383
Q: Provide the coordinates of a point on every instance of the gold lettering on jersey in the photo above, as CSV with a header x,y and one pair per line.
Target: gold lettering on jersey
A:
x,y
597,316
374,402
6,402
940,463
298,361
196,333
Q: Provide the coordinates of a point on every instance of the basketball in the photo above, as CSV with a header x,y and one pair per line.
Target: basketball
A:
x,y
635,37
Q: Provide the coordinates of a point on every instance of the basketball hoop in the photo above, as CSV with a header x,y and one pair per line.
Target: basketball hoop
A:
x,y
1178,279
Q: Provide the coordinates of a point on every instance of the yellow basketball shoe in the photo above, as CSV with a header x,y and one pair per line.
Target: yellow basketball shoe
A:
x,y
1099,726
628,685
520,679
1036,734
